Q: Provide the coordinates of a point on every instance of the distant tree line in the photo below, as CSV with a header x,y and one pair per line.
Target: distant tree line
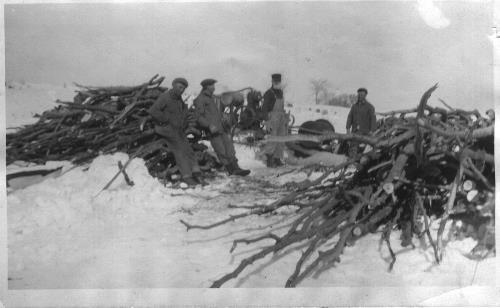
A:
x,y
323,96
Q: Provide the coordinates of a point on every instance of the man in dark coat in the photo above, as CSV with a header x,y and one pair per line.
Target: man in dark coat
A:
x,y
276,121
361,120
209,116
170,115
271,95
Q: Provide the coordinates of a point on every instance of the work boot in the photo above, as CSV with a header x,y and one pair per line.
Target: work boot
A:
x,y
230,168
189,181
234,169
198,177
238,171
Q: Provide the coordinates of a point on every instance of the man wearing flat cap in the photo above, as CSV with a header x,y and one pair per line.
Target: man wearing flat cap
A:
x,y
276,121
361,120
209,117
170,115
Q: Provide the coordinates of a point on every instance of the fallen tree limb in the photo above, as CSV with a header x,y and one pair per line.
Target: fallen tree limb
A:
x,y
447,210
476,133
373,141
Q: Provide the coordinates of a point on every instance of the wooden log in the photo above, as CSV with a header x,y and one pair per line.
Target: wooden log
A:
x,y
393,113
419,151
447,210
373,141
476,133
479,155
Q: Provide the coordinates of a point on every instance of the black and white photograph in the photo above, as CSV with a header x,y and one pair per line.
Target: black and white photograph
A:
x,y
251,145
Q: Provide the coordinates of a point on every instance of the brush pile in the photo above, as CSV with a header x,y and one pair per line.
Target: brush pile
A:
x,y
100,120
432,168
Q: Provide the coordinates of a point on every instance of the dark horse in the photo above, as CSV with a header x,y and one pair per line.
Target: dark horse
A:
x,y
251,116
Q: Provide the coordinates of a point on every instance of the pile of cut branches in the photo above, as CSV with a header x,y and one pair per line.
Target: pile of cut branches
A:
x,y
100,120
437,164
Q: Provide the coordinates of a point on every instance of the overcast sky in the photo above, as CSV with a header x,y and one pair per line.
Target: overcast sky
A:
x,y
395,49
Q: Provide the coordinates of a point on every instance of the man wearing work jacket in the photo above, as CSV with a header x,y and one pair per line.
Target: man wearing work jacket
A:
x,y
209,116
170,115
276,121
361,120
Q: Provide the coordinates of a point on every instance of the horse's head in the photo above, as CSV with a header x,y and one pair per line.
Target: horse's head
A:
x,y
253,98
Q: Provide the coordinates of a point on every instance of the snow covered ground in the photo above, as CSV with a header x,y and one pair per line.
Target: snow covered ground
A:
x,y
63,233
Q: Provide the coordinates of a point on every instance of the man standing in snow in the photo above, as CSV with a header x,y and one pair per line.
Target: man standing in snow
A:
x,y
273,111
209,117
361,120
170,114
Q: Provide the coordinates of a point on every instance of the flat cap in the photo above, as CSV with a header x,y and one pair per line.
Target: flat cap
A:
x,y
208,82
363,90
276,77
181,81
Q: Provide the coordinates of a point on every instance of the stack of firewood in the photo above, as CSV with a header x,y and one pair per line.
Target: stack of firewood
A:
x,y
101,120
420,164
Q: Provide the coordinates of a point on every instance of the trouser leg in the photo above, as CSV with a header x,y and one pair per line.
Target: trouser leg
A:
x,y
220,149
183,154
195,167
229,147
281,130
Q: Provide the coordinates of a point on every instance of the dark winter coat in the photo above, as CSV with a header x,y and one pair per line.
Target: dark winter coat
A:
x,y
169,113
361,118
207,111
269,99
